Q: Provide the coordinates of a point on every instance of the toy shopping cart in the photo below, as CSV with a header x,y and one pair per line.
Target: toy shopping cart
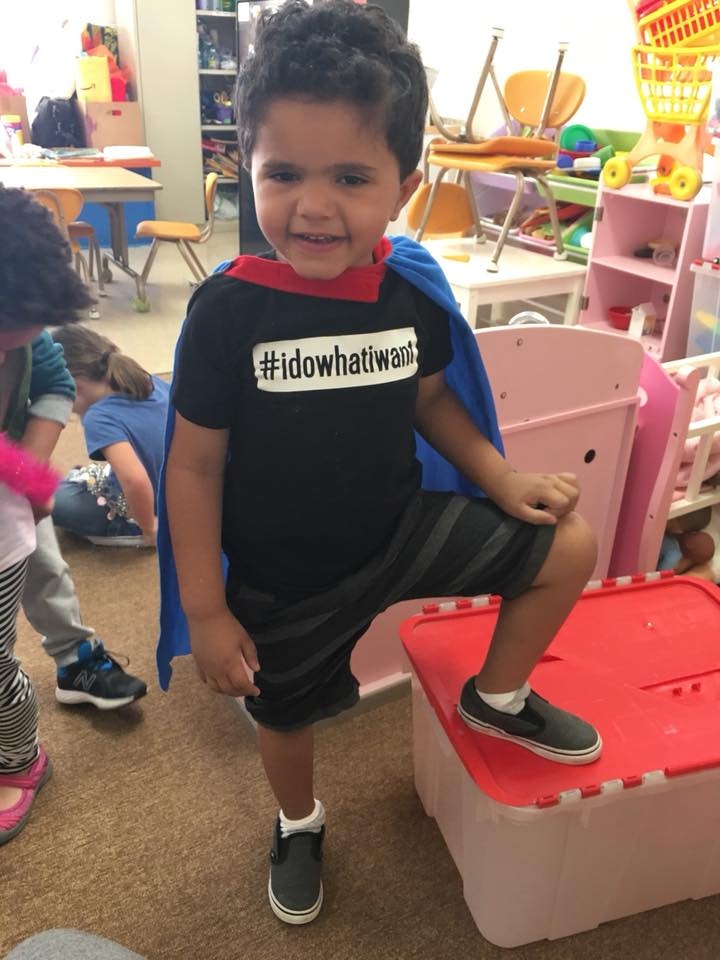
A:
x,y
673,66
681,23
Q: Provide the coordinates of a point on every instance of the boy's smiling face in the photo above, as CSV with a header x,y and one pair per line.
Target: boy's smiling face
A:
x,y
326,184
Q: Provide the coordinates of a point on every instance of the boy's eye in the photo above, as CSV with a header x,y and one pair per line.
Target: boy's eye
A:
x,y
283,176
352,180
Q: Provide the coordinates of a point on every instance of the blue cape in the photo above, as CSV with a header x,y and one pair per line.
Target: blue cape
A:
x,y
465,375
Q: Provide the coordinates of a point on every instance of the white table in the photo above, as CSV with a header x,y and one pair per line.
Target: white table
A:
x,y
522,275
109,186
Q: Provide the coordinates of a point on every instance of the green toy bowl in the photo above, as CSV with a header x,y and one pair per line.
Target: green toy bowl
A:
x,y
576,131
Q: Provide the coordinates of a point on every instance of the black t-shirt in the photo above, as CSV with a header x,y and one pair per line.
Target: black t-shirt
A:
x,y
318,394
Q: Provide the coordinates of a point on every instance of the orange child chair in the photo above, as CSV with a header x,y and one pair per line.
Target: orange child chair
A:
x,y
183,235
538,102
453,212
65,205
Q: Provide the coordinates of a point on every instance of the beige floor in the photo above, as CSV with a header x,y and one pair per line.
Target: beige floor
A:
x,y
150,337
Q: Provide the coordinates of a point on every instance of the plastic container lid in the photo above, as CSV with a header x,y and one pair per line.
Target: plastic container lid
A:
x,y
639,661
528,318
587,163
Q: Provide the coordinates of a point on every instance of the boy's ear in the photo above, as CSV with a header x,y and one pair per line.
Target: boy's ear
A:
x,y
407,189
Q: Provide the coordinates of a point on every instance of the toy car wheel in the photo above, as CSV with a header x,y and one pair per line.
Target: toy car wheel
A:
x,y
685,183
616,173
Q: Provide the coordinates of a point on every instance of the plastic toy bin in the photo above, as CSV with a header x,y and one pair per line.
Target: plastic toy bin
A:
x,y
704,326
547,850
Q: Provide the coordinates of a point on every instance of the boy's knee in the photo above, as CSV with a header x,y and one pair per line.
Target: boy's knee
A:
x,y
575,545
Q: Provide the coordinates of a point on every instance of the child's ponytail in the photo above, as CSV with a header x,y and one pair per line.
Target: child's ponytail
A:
x,y
91,355
125,375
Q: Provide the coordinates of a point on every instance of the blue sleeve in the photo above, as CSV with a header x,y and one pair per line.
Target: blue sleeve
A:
x,y
101,430
49,371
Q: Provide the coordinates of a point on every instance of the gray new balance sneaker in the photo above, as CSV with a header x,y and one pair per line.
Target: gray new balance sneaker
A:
x,y
295,888
546,730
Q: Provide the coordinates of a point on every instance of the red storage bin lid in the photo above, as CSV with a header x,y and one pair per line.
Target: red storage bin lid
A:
x,y
640,660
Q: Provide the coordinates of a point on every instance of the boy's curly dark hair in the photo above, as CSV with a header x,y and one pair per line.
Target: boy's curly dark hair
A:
x,y
337,50
38,285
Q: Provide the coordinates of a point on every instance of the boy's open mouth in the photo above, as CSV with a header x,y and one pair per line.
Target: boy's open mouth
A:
x,y
318,238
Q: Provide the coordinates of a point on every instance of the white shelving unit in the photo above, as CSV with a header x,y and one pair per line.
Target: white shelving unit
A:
x,y
217,34
167,89
704,330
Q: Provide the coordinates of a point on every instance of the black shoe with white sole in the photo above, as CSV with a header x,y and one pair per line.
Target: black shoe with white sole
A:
x,y
295,887
98,679
540,727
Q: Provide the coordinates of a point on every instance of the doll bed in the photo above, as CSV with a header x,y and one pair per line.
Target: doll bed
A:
x,y
592,403
666,430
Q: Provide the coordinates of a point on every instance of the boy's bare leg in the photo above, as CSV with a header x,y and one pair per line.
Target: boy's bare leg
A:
x,y
295,886
288,761
527,625
497,702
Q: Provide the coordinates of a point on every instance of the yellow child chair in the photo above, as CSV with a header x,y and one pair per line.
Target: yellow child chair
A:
x,y
65,205
183,235
536,100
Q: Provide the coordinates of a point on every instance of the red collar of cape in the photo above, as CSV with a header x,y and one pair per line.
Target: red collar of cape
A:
x,y
356,283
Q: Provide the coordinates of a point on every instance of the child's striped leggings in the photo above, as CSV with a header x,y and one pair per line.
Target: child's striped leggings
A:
x,y
18,705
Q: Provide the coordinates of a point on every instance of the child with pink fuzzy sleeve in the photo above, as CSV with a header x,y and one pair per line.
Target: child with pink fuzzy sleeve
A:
x,y
38,287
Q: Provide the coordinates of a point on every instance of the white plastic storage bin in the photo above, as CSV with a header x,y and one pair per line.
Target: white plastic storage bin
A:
x,y
711,243
547,850
704,328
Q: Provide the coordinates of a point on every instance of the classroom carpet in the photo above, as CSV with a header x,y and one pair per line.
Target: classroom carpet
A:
x,y
154,830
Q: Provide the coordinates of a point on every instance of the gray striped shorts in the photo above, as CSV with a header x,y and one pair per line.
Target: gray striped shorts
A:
x,y
444,545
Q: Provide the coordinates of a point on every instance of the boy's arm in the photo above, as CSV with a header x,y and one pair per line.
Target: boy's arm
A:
x,y
443,421
194,489
135,484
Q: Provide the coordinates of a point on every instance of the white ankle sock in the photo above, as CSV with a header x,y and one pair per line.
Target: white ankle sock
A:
x,y
312,823
511,702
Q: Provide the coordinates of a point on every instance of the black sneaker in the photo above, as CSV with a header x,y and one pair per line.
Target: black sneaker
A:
x,y
295,888
98,679
546,730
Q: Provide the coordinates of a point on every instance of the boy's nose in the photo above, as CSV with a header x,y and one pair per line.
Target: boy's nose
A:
x,y
315,202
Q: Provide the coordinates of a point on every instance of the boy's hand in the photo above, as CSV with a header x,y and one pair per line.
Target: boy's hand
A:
x,y
540,498
222,648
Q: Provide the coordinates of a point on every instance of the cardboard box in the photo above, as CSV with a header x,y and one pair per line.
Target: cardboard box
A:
x,y
16,104
112,124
